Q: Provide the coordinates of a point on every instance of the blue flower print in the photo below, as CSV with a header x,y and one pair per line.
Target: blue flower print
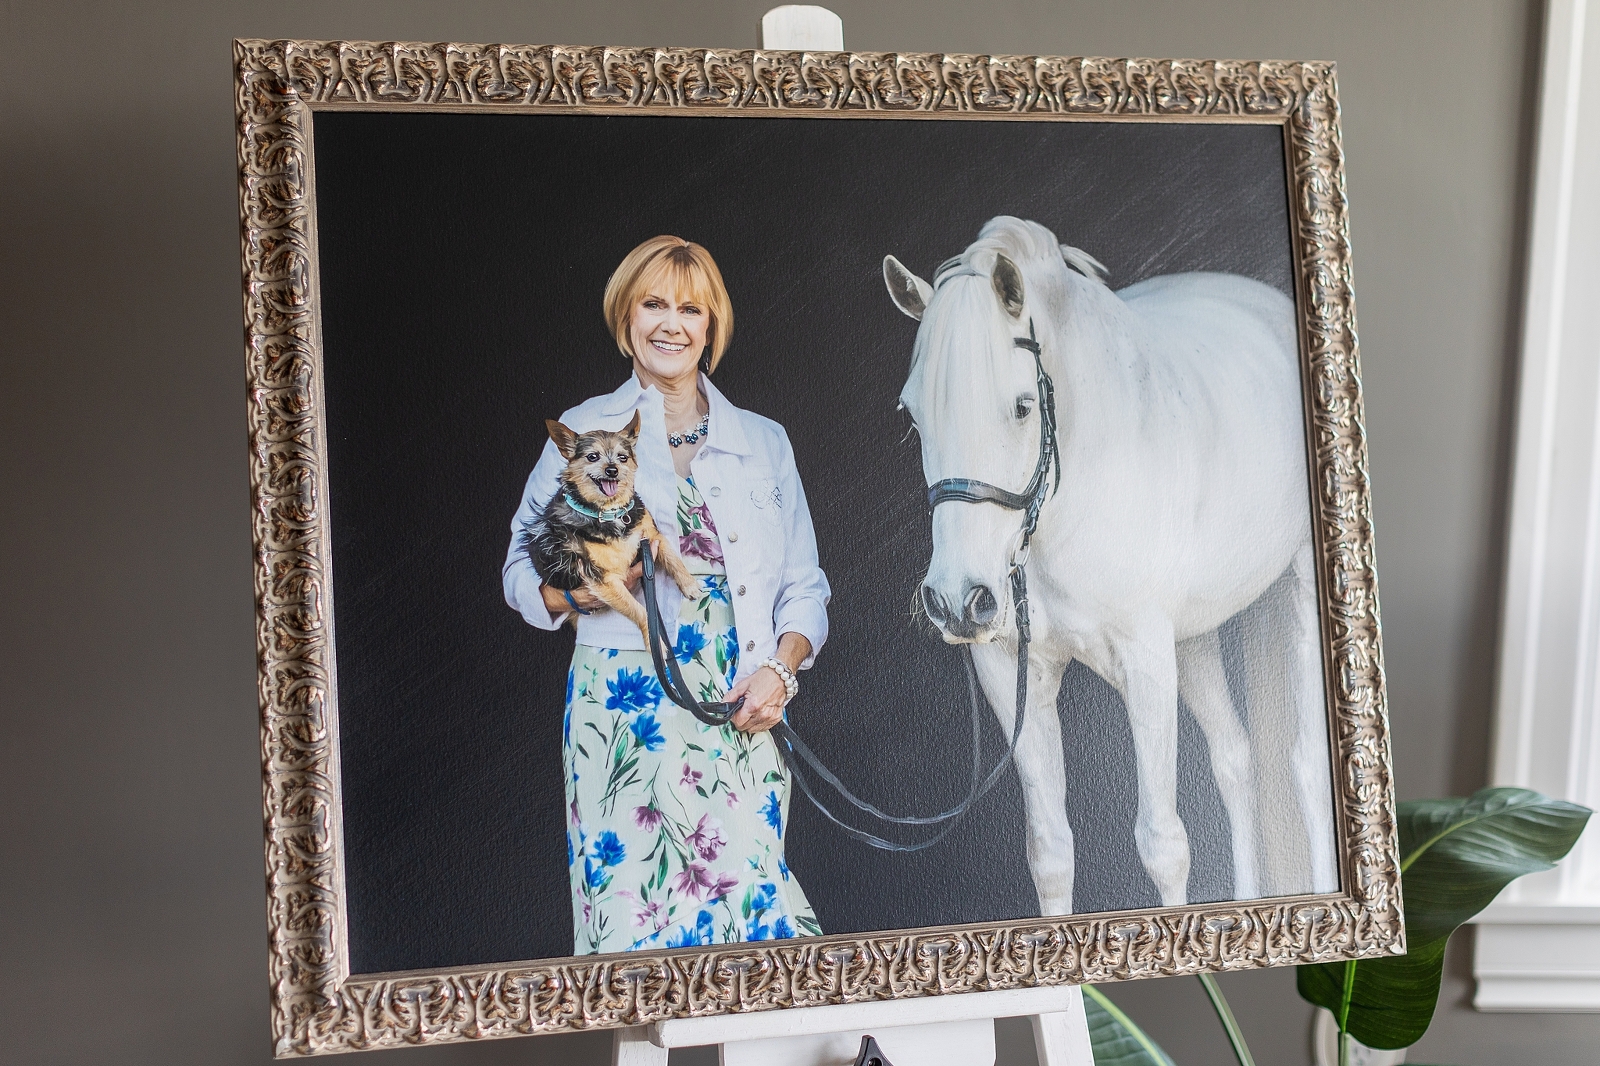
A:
x,y
763,898
569,849
595,876
782,930
648,732
609,849
686,937
783,868
571,680
633,690
716,587
773,814
691,641
755,930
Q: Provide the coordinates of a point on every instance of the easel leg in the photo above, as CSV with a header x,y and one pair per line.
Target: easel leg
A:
x,y
1062,1038
632,1047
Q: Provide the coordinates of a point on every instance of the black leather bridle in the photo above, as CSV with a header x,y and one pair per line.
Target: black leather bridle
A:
x,y
796,755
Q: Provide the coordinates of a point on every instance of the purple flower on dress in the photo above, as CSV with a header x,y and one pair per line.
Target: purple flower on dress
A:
x,y
696,543
648,818
691,777
725,883
693,880
706,839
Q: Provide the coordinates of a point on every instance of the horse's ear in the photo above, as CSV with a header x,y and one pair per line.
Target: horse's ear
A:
x,y
1007,281
909,292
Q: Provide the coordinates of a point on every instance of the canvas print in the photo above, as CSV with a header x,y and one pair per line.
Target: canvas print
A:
x,y
1046,435
914,553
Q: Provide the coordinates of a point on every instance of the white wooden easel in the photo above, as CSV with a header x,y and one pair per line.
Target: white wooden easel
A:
x,y
955,1030
932,1031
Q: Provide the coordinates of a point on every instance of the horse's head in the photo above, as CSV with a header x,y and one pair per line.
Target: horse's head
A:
x,y
974,395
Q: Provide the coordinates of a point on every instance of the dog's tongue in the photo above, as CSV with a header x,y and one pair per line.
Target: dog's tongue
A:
x,y
608,487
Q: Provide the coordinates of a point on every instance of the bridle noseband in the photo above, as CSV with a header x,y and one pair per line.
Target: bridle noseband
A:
x,y
796,754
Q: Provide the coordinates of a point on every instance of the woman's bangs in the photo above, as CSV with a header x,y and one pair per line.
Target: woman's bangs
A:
x,y
687,280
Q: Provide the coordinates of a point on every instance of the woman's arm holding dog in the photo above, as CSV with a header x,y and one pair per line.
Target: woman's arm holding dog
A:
x,y
539,604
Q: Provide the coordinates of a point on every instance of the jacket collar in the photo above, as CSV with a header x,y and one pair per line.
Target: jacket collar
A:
x,y
727,421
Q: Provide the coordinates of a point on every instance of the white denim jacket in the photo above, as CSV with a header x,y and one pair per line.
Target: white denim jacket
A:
x,y
745,472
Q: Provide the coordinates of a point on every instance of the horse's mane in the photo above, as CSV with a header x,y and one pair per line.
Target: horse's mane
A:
x,y
1023,242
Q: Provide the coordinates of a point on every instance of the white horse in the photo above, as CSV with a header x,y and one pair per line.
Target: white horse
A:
x,y
1183,501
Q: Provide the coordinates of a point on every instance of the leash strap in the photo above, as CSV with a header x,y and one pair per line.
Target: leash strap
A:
x,y
797,755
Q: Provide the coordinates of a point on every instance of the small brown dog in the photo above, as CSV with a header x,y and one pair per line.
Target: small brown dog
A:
x,y
589,533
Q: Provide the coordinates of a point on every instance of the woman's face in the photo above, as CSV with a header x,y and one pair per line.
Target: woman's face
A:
x,y
668,333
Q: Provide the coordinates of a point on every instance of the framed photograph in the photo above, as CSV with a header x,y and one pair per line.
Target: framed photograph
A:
x,y
747,530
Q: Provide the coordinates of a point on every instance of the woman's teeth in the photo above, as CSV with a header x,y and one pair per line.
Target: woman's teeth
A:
x,y
667,346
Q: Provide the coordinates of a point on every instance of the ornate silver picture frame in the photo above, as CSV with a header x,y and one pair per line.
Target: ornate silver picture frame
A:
x,y
321,1001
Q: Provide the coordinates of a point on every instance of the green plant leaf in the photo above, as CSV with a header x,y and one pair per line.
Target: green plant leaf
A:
x,y
1115,1039
1455,857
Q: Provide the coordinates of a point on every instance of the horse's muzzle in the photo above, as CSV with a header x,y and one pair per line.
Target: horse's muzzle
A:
x,y
979,609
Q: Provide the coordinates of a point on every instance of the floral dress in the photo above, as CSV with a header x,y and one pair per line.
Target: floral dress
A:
x,y
674,828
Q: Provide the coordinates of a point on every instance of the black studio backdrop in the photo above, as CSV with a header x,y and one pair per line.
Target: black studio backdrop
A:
x,y
462,260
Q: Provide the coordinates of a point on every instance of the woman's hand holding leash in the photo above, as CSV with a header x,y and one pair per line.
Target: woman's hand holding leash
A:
x,y
765,691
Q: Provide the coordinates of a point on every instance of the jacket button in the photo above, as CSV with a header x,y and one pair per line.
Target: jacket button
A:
x,y
733,538
716,490
741,590
749,645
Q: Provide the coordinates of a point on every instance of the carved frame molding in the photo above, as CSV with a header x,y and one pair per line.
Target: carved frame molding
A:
x,y
317,1005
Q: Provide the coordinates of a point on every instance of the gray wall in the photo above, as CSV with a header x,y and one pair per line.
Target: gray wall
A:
x,y
131,806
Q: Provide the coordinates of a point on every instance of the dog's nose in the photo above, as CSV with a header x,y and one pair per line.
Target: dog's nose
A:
x,y
611,470
981,606
933,603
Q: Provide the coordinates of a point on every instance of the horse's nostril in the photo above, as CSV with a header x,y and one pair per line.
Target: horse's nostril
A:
x,y
981,605
933,603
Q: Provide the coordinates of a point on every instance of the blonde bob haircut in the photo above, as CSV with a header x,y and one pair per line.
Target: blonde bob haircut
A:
x,y
668,263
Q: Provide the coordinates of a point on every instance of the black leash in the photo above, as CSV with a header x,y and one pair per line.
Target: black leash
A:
x,y
796,754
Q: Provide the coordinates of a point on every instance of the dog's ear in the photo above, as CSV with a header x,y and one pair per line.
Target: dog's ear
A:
x,y
910,293
631,431
565,440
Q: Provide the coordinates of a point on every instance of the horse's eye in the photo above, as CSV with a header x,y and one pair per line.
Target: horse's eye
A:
x,y
1024,406
593,457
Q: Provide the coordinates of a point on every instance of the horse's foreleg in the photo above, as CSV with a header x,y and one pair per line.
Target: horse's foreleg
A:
x,y
1312,763
1204,687
1149,684
1041,766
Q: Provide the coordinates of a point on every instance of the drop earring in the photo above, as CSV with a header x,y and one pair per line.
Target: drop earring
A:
x,y
705,359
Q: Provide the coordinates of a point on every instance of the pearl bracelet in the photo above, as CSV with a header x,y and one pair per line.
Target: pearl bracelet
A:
x,y
791,684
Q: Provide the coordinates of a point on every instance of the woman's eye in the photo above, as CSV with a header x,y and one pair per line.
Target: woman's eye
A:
x,y
691,310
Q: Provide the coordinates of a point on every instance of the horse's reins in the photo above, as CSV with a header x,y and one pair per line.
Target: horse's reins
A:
x,y
794,750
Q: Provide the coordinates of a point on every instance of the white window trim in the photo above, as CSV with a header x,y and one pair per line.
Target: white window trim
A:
x,y
1538,945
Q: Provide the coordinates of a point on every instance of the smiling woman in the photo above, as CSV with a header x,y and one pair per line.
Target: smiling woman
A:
x,y
675,827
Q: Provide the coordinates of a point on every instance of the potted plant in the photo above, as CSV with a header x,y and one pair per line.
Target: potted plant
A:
x,y
1455,857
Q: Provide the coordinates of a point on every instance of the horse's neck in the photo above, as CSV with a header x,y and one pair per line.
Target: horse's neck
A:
x,y
1098,363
